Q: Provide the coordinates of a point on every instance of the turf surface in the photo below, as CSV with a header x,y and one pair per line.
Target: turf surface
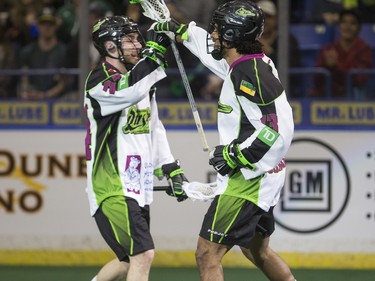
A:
x,y
53,273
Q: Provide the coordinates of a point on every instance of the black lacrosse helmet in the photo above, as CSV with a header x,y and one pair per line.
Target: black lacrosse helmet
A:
x,y
238,20
112,29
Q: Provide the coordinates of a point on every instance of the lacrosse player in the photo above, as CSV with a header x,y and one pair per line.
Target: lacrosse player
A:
x,y
255,124
126,144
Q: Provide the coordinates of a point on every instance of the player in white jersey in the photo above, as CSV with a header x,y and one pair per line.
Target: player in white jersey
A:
x,y
255,124
126,144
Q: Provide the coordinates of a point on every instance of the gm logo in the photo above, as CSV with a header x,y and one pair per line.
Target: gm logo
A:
x,y
316,190
309,186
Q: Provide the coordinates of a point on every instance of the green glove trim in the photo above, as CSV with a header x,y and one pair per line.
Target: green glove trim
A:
x,y
158,173
183,32
135,1
155,56
176,172
242,158
231,163
162,26
174,27
156,46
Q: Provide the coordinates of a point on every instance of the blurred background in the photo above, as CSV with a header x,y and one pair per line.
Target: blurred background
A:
x,y
324,52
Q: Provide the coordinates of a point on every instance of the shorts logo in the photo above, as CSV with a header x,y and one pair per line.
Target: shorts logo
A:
x,y
217,233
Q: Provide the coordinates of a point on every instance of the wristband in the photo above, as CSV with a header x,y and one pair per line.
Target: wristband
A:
x,y
242,159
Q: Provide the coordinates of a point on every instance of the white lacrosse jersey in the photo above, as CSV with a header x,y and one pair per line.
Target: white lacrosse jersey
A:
x,y
125,140
252,108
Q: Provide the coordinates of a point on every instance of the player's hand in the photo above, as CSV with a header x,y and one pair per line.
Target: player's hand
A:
x,y
172,29
160,40
176,177
221,158
156,47
227,159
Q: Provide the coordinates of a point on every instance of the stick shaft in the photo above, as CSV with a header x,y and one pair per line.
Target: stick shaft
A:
x,y
190,96
158,11
161,188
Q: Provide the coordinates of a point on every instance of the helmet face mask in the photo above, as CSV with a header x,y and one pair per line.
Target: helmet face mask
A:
x,y
115,29
237,21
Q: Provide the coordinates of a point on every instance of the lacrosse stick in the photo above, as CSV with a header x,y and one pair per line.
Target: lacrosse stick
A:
x,y
158,11
195,190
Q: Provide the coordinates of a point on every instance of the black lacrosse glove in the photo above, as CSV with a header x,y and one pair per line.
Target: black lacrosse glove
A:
x,y
175,176
172,28
156,47
227,159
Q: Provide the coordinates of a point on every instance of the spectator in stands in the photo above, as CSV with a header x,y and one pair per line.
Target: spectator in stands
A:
x,y
97,10
68,18
22,23
46,53
270,44
348,52
7,61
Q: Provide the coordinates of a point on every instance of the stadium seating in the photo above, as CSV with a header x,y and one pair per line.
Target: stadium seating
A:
x,y
311,37
368,34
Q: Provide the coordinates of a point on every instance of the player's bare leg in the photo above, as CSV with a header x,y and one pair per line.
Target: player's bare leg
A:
x,y
140,265
272,265
208,256
114,270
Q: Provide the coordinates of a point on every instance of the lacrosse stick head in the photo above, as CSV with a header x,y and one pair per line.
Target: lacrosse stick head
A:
x,y
156,10
200,191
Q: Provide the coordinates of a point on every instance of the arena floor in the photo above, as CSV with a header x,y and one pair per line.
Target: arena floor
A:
x,y
78,273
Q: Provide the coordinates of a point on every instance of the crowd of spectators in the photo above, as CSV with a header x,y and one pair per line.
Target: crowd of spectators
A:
x,y
347,52
44,34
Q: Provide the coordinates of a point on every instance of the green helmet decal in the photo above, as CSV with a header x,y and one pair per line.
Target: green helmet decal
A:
x,y
242,12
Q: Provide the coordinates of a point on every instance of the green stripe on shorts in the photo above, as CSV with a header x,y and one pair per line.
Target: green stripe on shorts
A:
x,y
116,210
227,210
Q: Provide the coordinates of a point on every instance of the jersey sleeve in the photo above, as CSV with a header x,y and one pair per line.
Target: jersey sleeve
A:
x,y
271,139
114,91
197,44
267,114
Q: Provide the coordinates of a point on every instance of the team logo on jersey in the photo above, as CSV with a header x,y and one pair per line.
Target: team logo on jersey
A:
x,y
247,88
137,121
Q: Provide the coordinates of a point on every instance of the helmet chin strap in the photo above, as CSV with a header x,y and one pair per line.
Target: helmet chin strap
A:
x,y
217,54
122,59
